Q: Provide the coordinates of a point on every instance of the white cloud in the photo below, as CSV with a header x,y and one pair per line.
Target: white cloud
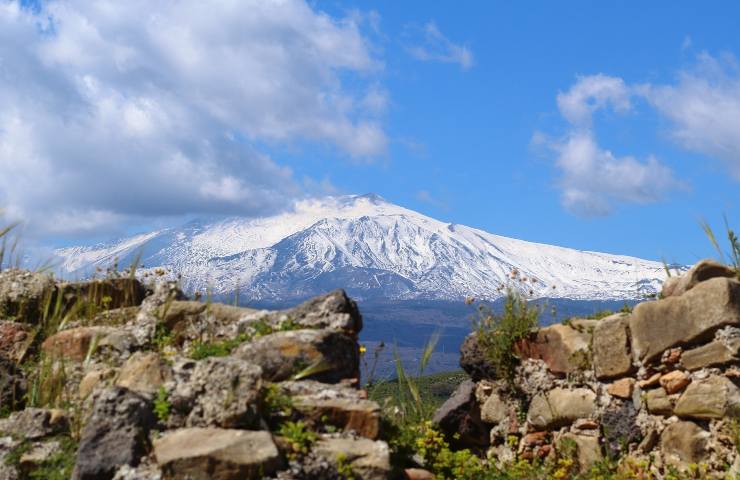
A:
x,y
593,179
432,45
704,109
115,110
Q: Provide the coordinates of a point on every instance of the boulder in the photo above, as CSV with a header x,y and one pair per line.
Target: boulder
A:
x,y
115,434
15,338
144,372
75,343
713,397
35,423
459,417
700,272
216,454
658,402
221,392
335,311
684,442
713,354
562,348
587,450
611,347
24,294
475,361
12,385
560,407
367,459
682,320
323,355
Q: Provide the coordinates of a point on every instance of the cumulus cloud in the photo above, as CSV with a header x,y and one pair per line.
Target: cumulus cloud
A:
x,y
593,179
704,109
115,110
430,45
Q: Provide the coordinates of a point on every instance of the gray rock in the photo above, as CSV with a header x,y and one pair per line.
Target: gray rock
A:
x,y
681,320
220,392
23,294
713,397
684,442
459,417
560,407
494,410
611,347
116,434
323,355
334,311
368,460
713,354
35,423
474,361
216,454
658,402
619,428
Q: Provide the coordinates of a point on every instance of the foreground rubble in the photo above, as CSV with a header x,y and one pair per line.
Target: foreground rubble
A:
x,y
141,383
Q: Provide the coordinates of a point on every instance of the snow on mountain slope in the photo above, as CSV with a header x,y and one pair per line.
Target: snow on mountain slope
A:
x,y
370,247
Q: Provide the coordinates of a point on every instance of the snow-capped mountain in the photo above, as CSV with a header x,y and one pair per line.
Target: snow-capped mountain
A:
x,y
372,248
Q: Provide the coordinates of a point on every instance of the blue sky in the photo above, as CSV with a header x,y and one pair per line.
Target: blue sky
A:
x,y
609,126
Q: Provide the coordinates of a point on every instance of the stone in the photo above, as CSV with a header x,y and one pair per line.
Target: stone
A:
x,y
562,348
334,311
144,372
343,407
560,407
367,459
494,410
658,402
587,449
13,385
675,381
115,434
39,453
611,347
622,388
686,442
669,286
459,417
332,355
221,392
700,272
681,320
418,474
24,294
535,439
671,356
104,293
713,354
75,343
217,454
35,423
474,361
709,398
15,338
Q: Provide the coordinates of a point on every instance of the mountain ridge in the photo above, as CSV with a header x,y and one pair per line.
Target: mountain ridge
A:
x,y
373,248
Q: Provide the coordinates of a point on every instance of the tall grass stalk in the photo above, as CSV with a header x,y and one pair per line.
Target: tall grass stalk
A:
x,y
732,257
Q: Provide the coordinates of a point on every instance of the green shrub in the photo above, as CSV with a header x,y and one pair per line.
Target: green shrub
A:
x,y
162,405
299,437
499,333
